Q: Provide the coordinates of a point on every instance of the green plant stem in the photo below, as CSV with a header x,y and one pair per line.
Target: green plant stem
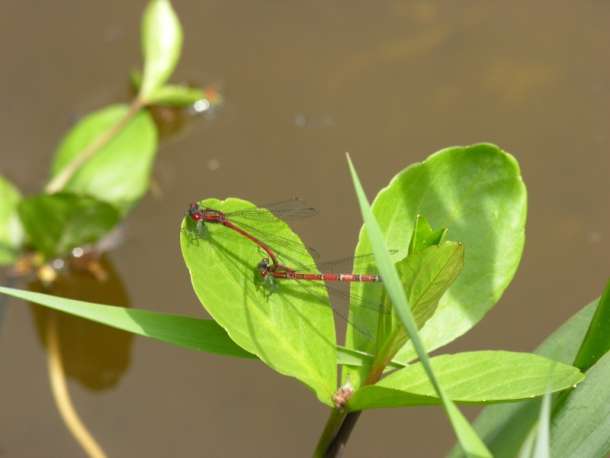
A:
x,y
59,181
337,445
333,425
341,424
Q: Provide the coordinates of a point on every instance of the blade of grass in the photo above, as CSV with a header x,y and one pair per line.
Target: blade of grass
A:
x,y
596,342
183,331
543,440
466,435
191,333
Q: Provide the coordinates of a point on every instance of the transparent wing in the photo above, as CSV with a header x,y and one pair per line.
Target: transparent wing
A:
x,y
315,290
286,209
287,249
342,265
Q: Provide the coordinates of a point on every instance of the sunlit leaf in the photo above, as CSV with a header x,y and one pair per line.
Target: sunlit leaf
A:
x,y
119,172
161,45
424,236
478,194
289,329
11,232
428,274
468,439
480,377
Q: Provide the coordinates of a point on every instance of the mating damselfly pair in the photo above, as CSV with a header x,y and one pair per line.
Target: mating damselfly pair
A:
x,y
281,256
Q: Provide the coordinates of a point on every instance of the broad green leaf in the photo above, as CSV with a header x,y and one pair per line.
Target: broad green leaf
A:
x,y
468,439
119,172
11,232
183,331
428,274
582,427
478,194
504,427
597,341
289,329
479,377
56,223
161,45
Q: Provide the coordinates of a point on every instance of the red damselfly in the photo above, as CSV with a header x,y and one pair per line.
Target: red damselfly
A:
x,y
237,221
314,283
276,270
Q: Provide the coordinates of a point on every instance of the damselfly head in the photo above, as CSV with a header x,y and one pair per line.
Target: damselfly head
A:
x,y
263,267
195,212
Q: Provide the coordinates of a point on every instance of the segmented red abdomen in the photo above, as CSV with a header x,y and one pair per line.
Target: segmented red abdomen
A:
x,y
355,277
326,277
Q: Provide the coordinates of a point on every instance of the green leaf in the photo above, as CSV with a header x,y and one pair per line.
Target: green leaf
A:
x,y
479,377
582,427
504,427
428,274
174,95
119,172
424,236
477,192
161,45
56,223
11,232
290,330
349,357
596,342
468,439
183,331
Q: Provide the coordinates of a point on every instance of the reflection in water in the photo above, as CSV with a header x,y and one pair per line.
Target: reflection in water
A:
x,y
95,355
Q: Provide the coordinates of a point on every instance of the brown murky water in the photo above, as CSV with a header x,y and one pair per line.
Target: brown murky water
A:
x,y
390,82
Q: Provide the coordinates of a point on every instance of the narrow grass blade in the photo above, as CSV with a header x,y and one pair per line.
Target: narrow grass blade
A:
x,y
467,437
182,331
527,448
596,342
187,332
543,438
